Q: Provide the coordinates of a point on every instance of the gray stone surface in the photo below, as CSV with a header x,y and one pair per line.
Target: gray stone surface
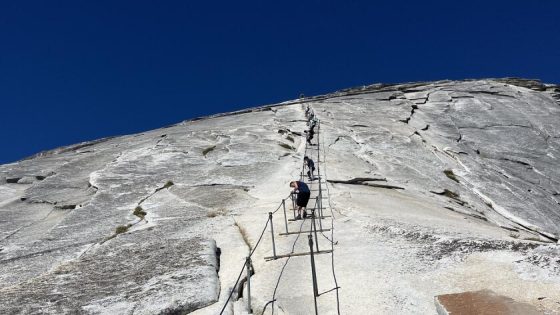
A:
x,y
501,142
60,251
465,193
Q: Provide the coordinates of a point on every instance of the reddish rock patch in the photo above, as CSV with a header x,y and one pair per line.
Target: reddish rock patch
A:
x,y
483,302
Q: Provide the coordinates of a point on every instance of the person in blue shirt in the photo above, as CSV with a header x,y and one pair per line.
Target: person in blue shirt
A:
x,y
310,167
303,194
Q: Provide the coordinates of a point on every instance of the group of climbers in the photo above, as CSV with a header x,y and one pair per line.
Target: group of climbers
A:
x,y
311,122
299,187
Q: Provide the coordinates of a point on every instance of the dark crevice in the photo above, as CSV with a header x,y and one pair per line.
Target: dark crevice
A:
x,y
467,214
359,180
218,258
287,131
12,180
65,207
92,186
509,228
450,194
165,186
364,182
548,237
208,150
287,146
336,140
461,96
425,128
419,135
449,173
516,161
414,107
491,93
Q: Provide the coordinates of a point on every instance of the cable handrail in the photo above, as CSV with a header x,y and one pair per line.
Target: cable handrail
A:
x,y
332,236
282,271
266,225
249,256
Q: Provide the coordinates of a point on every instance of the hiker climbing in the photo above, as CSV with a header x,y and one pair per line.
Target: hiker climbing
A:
x,y
312,124
303,194
310,167
310,133
310,115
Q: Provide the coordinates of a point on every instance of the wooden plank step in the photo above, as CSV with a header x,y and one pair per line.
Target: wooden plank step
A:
x,y
298,254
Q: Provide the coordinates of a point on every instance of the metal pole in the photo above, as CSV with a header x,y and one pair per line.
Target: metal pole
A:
x,y
314,228
294,206
320,209
248,266
318,147
314,276
285,217
272,233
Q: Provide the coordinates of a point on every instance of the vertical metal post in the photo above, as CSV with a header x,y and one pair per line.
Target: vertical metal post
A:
x,y
314,228
313,275
319,173
272,233
248,266
285,216
318,148
320,203
293,205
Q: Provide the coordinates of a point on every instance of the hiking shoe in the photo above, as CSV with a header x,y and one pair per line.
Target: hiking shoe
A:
x,y
298,217
304,214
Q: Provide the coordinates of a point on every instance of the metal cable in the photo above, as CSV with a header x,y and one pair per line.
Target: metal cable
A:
x,y
233,289
250,254
284,267
332,233
260,238
291,252
293,246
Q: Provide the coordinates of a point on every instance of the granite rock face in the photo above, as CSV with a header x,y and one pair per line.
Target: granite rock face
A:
x,y
494,145
125,225
435,188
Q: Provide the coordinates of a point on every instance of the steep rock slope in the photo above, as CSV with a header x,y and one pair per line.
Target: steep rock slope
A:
x,y
129,224
434,188
493,144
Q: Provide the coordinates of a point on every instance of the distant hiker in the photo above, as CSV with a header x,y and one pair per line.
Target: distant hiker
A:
x,y
303,194
310,135
312,124
310,117
310,167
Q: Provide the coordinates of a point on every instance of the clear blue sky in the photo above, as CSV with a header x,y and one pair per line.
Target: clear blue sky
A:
x,y
72,71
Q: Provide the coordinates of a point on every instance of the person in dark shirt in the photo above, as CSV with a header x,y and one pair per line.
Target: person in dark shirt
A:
x,y
310,167
303,194
310,135
313,124
311,131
